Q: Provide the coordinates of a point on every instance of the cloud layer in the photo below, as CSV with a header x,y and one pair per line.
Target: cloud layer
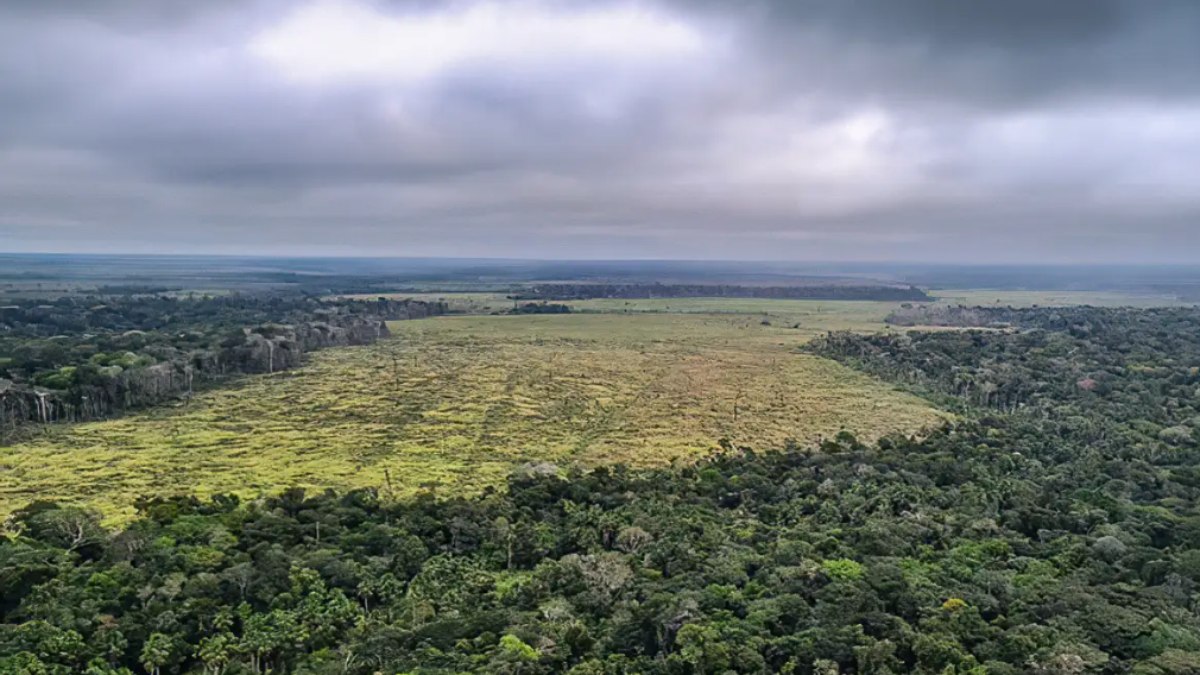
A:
x,y
917,130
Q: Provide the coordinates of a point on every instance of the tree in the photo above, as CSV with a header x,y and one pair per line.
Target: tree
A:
x,y
215,652
513,656
157,652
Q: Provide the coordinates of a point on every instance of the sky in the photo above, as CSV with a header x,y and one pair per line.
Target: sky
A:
x,y
907,130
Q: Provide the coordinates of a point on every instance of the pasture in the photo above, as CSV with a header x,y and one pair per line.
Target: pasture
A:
x,y
453,404
826,313
1007,298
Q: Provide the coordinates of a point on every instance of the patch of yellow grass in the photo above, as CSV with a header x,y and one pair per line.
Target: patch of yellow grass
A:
x,y
457,402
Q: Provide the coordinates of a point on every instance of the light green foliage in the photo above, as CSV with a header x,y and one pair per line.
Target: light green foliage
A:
x,y
843,570
455,403
157,652
513,648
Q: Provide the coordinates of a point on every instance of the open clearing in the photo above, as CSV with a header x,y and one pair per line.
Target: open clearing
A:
x,y
824,314
454,403
1006,298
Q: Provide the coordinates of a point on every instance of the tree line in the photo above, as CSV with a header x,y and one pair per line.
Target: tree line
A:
x,y
82,358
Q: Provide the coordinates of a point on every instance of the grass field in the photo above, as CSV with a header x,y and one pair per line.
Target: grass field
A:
x,y
855,312
455,403
987,298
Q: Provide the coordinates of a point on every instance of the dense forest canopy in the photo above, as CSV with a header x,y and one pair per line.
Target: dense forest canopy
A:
x,y
1052,528
79,358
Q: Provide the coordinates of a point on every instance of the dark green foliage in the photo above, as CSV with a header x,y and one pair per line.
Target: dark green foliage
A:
x,y
1053,529
39,339
1100,372
540,308
83,358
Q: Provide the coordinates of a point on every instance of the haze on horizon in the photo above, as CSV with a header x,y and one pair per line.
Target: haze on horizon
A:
x,y
1034,131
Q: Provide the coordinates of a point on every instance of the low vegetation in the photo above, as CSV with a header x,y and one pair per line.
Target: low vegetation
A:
x,y
454,404
1042,298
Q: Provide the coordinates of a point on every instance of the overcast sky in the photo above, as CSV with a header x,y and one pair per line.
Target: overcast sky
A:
x,y
925,130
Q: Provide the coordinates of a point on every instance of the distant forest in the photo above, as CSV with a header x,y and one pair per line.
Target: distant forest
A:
x,y
570,291
376,275
1052,528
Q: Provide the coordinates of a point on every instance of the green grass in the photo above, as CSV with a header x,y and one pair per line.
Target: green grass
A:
x,y
1003,298
855,312
454,403
814,316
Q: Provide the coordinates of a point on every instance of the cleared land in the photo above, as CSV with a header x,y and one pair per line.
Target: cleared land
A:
x,y
1005,298
818,312
455,403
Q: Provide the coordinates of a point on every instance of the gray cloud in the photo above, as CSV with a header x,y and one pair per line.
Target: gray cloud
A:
x,y
924,129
